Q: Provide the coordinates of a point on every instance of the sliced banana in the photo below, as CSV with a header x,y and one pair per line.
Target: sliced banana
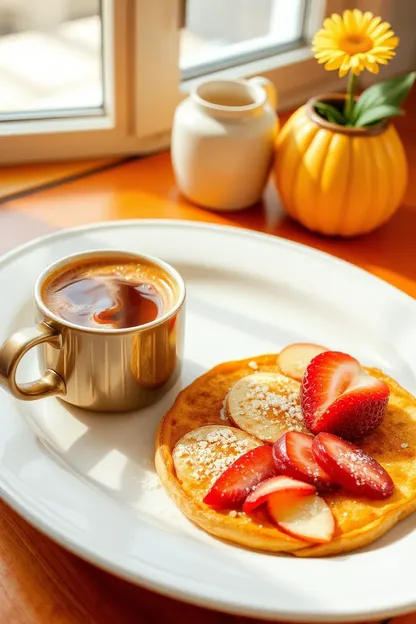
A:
x,y
203,454
265,405
294,358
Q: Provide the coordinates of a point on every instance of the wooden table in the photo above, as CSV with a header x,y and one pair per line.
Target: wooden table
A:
x,y
41,583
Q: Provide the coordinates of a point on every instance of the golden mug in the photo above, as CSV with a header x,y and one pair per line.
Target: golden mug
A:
x,y
99,369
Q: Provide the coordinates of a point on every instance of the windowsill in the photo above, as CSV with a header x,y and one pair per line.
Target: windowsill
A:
x,y
16,180
19,179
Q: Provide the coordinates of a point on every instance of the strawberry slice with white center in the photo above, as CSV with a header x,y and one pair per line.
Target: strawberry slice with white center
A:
x,y
351,467
307,517
285,486
339,396
294,458
234,485
294,358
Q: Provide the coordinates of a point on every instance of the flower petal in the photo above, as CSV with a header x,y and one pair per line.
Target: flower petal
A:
x,y
359,18
380,30
368,16
320,32
349,21
325,40
334,63
324,58
382,50
373,24
345,67
361,61
328,54
372,67
332,52
384,60
332,27
391,43
338,20
386,35
326,50
356,65
387,41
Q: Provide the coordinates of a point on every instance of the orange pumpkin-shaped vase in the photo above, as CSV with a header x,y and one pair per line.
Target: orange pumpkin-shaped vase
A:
x,y
339,180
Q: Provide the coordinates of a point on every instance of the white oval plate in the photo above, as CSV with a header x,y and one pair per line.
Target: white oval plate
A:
x,y
88,480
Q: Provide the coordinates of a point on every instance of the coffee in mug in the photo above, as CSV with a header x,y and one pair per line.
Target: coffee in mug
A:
x,y
111,330
111,293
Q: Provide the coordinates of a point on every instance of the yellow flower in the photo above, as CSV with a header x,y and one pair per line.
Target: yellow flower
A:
x,y
355,41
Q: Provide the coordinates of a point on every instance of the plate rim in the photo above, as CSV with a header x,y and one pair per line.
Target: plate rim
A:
x,y
90,555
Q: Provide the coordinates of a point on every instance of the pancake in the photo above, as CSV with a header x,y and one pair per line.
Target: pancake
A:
x,y
359,521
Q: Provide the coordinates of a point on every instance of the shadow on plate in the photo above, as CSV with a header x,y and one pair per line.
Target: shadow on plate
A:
x,y
112,451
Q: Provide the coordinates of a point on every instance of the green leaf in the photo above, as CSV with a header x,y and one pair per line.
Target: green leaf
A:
x,y
391,93
330,113
331,118
377,113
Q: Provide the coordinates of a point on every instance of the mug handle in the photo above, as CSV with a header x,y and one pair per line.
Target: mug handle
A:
x,y
269,87
12,352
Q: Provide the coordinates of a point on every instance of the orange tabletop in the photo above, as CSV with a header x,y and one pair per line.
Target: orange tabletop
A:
x,y
41,583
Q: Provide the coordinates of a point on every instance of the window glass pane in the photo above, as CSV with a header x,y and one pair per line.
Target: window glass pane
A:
x,y
50,57
222,33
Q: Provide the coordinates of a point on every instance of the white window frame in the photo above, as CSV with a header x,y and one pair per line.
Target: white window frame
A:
x,y
143,85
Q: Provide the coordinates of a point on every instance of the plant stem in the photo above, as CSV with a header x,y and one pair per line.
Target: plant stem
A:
x,y
349,102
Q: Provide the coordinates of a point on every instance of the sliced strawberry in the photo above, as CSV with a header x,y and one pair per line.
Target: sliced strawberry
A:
x,y
234,485
339,396
294,458
281,485
294,358
350,466
306,517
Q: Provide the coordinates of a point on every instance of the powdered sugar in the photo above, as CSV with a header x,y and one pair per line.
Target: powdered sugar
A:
x,y
209,457
150,481
363,469
280,407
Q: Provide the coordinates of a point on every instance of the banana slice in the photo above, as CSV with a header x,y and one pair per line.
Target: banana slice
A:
x,y
294,358
203,454
265,405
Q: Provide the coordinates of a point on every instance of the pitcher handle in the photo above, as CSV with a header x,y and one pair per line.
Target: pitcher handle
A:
x,y
12,352
269,87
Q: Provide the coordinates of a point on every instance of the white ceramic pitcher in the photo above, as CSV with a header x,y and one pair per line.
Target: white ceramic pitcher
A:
x,y
223,142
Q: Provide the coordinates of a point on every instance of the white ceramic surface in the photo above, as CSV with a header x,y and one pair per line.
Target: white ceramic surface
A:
x,y
88,481
223,142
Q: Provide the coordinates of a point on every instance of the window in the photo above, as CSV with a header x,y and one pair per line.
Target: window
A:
x,y
226,33
62,66
50,60
92,78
